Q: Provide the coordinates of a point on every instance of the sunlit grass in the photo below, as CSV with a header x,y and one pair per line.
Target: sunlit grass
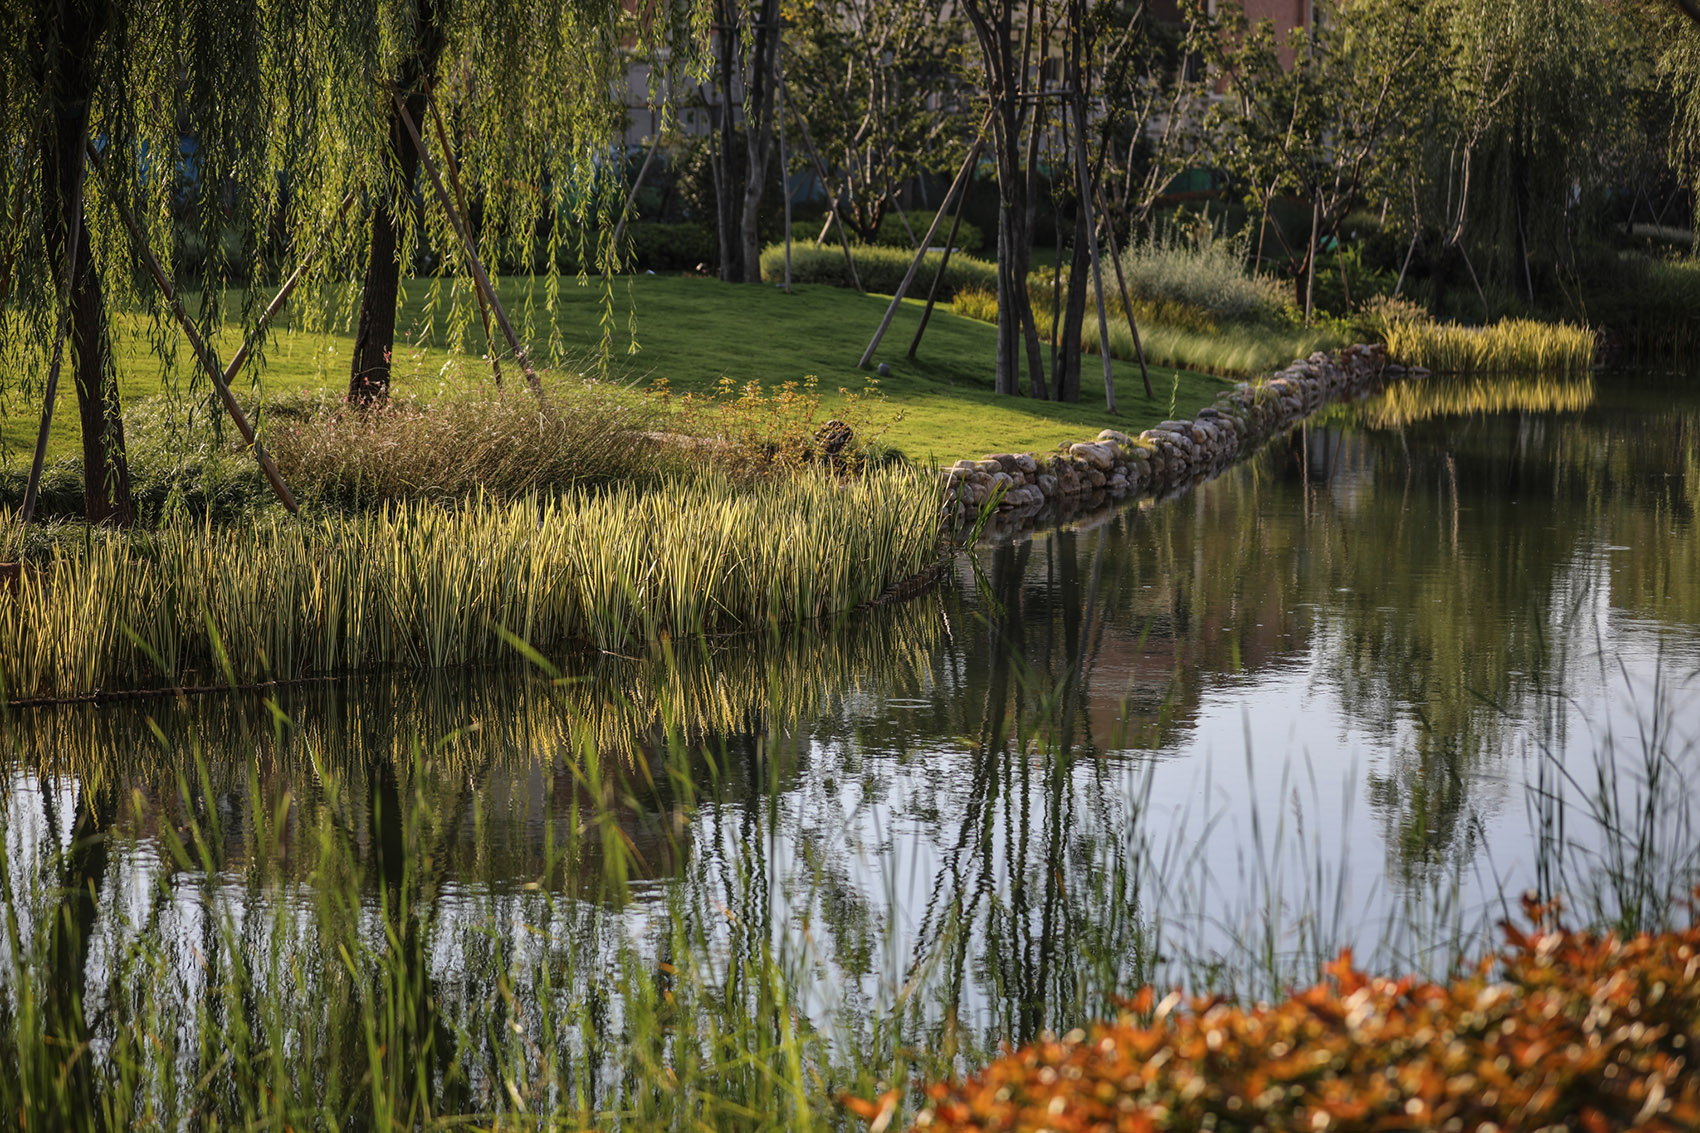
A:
x,y
1506,347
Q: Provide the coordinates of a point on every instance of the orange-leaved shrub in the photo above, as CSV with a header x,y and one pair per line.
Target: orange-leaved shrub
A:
x,y
1562,1030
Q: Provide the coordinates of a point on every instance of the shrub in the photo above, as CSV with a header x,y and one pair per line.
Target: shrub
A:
x,y
892,234
1651,305
880,269
1204,273
1508,346
976,303
746,430
1232,351
1572,1031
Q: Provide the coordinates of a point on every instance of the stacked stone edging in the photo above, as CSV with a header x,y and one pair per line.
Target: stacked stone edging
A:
x,y
1174,453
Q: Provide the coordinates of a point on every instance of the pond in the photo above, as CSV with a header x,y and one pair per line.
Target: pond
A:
x,y
1420,656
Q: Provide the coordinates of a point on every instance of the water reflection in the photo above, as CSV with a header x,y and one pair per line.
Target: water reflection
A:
x,y
1238,729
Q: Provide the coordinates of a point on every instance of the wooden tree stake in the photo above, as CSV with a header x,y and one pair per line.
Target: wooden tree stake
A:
x,y
472,261
944,261
33,486
460,196
835,216
960,182
208,362
1127,305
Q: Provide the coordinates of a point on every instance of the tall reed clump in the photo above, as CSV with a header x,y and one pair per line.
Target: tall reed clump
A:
x,y
1507,347
421,586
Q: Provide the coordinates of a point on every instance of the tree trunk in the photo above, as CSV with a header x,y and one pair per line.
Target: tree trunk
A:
x,y
758,135
374,338
1065,382
727,190
106,471
1016,327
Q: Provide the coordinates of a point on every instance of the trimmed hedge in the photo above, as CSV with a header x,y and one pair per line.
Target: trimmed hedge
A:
x,y
1562,1030
880,269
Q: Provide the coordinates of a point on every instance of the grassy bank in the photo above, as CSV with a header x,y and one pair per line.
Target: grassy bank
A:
x,y
692,332
421,586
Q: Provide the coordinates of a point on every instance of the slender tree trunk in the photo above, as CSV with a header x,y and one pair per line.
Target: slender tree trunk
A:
x,y
1065,382
758,135
106,471
374,337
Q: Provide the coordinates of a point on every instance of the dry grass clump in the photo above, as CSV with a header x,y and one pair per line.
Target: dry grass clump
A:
x,y
1565,1030
417,585
503,443
1506,347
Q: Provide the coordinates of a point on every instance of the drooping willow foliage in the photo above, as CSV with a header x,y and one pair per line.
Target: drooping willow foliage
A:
x,y
243,136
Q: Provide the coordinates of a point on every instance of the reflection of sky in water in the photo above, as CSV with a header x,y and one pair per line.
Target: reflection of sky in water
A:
x,y
1313,694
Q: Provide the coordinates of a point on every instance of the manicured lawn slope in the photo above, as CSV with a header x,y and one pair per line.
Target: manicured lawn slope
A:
x,y
694,331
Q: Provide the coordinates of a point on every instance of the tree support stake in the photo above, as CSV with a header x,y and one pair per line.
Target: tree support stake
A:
x,y
472,261
202,351
960,183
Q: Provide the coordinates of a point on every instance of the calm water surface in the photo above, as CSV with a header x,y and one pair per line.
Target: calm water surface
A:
x,y
1361,690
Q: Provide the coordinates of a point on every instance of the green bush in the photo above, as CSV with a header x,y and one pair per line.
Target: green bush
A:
x,y
880,269
1651,305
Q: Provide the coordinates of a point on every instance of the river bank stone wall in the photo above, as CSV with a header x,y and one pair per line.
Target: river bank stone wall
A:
x,y
1172,455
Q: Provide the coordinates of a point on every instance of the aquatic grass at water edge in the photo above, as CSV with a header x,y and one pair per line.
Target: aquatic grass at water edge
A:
x,y
422,586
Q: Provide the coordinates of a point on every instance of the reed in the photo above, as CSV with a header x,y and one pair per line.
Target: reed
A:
x,y
1510,346
421,586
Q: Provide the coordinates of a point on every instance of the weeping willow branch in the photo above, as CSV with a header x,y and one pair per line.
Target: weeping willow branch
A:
x,y
472,261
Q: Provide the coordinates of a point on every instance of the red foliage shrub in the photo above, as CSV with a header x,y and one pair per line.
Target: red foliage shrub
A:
x,y
1562,1030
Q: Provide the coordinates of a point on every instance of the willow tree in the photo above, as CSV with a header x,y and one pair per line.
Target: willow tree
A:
x,y
494,122
134,131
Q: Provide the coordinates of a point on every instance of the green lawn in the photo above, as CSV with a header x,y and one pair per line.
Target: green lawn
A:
x,y
694,331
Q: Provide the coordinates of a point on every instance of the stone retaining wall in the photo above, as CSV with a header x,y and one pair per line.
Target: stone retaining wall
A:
x,y
1172,455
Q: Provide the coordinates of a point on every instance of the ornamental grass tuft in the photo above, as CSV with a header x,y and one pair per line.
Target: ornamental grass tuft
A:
x,y
422,586
1506,347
